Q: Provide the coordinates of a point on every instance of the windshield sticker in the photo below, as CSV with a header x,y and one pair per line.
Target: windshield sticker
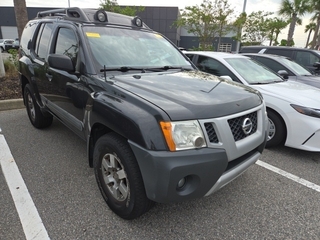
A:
x,y
93,35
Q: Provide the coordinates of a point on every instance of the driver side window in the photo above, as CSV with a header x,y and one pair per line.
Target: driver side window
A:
x,y
67,44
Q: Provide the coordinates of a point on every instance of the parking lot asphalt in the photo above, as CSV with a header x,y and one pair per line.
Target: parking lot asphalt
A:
x,y
260,204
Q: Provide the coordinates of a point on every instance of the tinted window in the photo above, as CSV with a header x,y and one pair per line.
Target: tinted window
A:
x,y
281,52
27,34
67,44
249,50
43,40
210,65
190,56
306,58
272,64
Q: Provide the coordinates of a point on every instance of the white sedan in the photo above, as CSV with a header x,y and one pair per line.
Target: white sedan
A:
x,y
293,108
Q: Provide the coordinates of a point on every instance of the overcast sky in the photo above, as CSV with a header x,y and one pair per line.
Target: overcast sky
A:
x,y
252,5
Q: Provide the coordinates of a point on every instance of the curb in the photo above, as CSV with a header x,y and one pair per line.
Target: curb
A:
x,y
11,104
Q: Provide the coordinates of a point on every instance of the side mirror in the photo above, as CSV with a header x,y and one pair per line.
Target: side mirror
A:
x,y
317,65
226,77
61,62
284,74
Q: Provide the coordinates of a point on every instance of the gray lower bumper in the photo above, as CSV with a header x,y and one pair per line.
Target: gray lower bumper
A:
x,y
203,169
233,173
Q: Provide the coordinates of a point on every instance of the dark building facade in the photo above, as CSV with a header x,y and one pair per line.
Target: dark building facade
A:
x,y
160,19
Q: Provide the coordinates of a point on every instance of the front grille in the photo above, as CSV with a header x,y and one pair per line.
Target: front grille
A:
x,y
236,126
212,135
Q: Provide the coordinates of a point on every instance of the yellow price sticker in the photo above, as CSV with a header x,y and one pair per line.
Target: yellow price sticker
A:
x,y
93,35
158,35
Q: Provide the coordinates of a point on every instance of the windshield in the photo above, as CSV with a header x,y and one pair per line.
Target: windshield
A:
x,y
115,48
252,72
295,67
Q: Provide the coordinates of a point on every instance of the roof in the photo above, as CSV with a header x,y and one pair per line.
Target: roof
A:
x,y
273,56
216,54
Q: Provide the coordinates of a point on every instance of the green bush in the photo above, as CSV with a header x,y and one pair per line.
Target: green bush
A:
x,y
14,58
10,67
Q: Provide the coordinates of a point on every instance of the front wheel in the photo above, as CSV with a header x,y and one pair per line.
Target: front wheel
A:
x,y
119,178
277,130
35,115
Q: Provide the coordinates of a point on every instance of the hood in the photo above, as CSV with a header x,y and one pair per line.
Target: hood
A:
x,y
190,94
311,80
292,92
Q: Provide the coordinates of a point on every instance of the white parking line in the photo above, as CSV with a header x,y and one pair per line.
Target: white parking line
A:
x,y
31,222
289,176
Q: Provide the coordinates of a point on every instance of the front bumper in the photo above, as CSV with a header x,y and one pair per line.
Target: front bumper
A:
x,y
206,170
303,132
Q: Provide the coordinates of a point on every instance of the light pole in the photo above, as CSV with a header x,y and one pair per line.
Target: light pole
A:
x,y
240,30
69,3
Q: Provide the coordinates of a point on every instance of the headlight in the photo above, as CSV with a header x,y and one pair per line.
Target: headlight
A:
x,y
183,135
307,111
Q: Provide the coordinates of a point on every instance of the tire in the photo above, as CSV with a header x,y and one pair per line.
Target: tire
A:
x,y
35,115
2,49
119,177
277,130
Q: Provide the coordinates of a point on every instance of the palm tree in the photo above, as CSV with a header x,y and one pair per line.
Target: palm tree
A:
x,y
316,17
309,28
276,25
293,9
20,10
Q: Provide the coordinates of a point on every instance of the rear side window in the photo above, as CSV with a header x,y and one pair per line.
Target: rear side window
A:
x,y
27,34
43,39
249,50
306,58
281,52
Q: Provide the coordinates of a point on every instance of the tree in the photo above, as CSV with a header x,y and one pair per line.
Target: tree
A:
x,y
113,6
255,28
309,28
224,11
316,8
294,9
238,23
207,21
284,42
275,25
20,10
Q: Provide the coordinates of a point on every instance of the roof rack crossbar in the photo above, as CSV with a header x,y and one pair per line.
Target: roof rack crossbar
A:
x,y
51,12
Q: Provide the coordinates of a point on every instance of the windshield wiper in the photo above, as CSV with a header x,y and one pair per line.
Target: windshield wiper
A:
x,y
170,67
261,83
122,69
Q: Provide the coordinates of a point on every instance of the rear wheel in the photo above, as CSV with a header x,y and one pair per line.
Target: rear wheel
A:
x,y
119,177
277,130
35,115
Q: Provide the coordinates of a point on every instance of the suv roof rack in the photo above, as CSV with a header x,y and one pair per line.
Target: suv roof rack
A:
x,y
67,13
89,15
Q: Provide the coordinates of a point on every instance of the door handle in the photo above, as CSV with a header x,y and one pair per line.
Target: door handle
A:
x,y
49,76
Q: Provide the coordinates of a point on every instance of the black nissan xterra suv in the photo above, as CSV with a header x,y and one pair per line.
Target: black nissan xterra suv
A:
x,y
156,128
